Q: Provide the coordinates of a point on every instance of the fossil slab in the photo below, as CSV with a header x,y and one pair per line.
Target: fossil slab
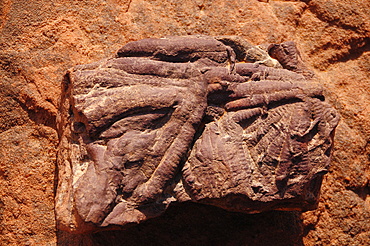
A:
x,y
210,120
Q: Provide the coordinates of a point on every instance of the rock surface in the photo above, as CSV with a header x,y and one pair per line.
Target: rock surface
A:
x,y
259,137
40,40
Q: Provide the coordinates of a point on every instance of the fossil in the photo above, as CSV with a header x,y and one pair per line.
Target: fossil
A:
x,y
210,120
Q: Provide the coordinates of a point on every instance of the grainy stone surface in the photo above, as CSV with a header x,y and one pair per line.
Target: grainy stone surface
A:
x,y
40,40
187,119
27,161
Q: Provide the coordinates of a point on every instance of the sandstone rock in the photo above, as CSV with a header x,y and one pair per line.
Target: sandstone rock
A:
x,y
263,143
27,218
40,40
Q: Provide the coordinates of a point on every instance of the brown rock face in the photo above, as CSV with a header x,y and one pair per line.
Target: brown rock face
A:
x,y
257,138
41,40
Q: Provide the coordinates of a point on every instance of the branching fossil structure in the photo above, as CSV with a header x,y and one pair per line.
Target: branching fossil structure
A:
x,y
210,120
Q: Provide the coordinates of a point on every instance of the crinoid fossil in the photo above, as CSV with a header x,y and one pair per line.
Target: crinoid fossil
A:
x,y
210,120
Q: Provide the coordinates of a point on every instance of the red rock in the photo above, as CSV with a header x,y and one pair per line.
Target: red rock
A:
x,y
129,123
40,40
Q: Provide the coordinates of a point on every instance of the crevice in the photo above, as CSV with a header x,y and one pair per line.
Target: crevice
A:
x,y
312,226
128,6
332,19
164,115
10,65
38,114
356,50
363,191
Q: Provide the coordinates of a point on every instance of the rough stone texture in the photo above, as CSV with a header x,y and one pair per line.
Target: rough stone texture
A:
x,y
40,40
27,169
259,137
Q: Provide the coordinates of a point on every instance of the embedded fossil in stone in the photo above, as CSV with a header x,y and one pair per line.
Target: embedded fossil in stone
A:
x,y
189,119
246,52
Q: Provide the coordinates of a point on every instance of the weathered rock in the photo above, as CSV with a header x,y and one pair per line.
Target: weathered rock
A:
x,y
246,52
263,143
22,213
40,40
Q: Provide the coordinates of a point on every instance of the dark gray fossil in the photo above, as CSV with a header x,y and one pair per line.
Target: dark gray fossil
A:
x,y
190,119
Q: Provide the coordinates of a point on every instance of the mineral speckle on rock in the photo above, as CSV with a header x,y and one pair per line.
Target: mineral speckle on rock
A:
x,y
211,120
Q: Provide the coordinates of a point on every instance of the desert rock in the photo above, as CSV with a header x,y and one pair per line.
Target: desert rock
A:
x,y
141,131
41,40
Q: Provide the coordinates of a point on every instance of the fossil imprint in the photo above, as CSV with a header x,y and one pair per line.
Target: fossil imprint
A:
x,y
210,120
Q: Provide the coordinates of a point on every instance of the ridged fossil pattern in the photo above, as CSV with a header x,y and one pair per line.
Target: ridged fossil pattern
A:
x,y
217,121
